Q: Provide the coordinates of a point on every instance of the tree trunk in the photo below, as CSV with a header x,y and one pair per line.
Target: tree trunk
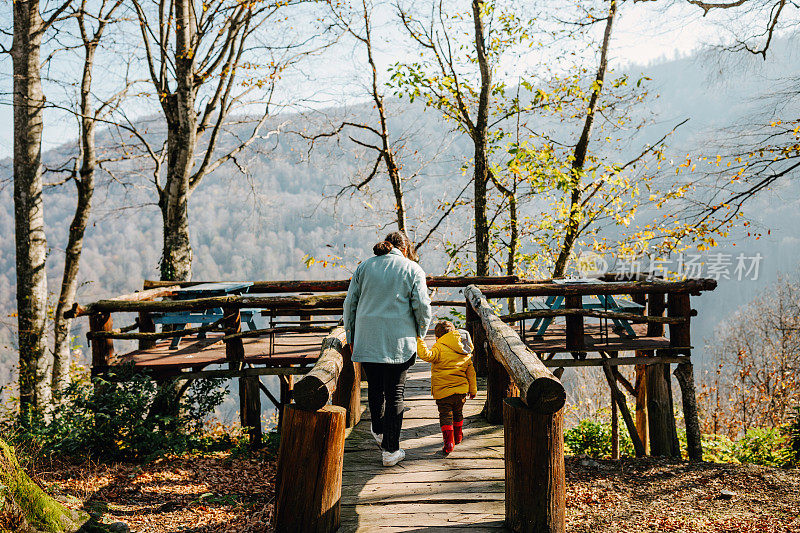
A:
x,y
31,243
478,135
77,229
179,109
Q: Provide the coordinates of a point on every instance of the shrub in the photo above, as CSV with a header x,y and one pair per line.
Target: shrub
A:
x,y
119,418
761,446
792,447
593,438
718,448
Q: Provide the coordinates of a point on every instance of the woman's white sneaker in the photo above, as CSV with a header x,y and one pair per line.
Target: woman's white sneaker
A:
x,y
377,436
392,458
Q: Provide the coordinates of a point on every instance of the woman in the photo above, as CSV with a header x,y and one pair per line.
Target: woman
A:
x,y
386,309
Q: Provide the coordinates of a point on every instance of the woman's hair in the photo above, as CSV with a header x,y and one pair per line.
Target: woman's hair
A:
x,y
396,239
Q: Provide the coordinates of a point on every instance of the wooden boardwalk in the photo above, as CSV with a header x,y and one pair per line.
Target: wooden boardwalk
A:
x,y
427,492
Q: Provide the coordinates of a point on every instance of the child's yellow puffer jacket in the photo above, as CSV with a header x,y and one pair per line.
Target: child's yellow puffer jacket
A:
x,y
451,364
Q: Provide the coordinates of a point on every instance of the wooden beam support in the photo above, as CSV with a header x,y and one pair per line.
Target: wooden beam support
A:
x,y
539,388
535,485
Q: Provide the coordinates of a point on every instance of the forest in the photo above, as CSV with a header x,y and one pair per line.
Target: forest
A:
x,y
224,140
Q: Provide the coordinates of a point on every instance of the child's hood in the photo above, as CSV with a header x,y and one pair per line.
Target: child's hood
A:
x,y
458,341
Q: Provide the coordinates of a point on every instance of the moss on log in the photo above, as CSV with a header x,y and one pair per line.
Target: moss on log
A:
x,y
25,507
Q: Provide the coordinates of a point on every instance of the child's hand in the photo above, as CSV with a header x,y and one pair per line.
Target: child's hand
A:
x,y
472,396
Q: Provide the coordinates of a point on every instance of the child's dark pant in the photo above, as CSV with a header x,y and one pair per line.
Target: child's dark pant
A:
x,y
386,389
451,409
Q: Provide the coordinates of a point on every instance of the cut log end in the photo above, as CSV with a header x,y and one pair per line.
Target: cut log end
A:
x,y
546,395
310,393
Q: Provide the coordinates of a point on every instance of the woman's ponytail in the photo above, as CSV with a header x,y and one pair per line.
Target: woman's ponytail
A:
x,y
399,240
382,248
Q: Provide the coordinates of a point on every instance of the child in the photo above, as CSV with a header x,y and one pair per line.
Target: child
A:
x,y
452,377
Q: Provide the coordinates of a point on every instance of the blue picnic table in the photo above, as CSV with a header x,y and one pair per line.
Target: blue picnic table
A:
x,y
605,302
182,319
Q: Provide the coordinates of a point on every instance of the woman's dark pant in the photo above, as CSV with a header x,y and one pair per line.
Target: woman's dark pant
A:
x,y
386,386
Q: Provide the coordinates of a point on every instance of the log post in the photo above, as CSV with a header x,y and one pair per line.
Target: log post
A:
x,y
534,463
102,349
250,408
641,406
640,383
146,325
249,389
480,354
575,338
660,418
499,386
685,375
286,384
348,388
679,305
309,477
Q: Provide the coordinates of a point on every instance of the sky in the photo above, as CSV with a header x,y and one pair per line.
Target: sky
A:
x,y
645,33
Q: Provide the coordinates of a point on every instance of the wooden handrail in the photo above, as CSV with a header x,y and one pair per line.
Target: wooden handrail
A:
x,y
198,304
539,388
341,284
613,287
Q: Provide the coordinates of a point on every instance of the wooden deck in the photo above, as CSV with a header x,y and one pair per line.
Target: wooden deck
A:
x,y
427,492
193,353
595,338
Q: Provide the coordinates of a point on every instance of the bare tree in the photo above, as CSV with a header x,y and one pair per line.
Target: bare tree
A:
x,y
453,95
581,149
194,52
758,349
29,27
383,146
92,21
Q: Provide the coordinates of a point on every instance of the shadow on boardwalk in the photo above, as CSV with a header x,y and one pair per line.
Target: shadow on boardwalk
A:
x,y
426,492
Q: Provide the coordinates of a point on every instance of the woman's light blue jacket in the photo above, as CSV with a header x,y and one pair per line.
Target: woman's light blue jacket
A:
x,y
386,309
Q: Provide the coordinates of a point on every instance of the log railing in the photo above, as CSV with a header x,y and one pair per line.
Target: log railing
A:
x,y
528,399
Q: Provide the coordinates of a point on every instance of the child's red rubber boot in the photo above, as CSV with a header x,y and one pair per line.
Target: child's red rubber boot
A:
x,y
458,434
447,435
